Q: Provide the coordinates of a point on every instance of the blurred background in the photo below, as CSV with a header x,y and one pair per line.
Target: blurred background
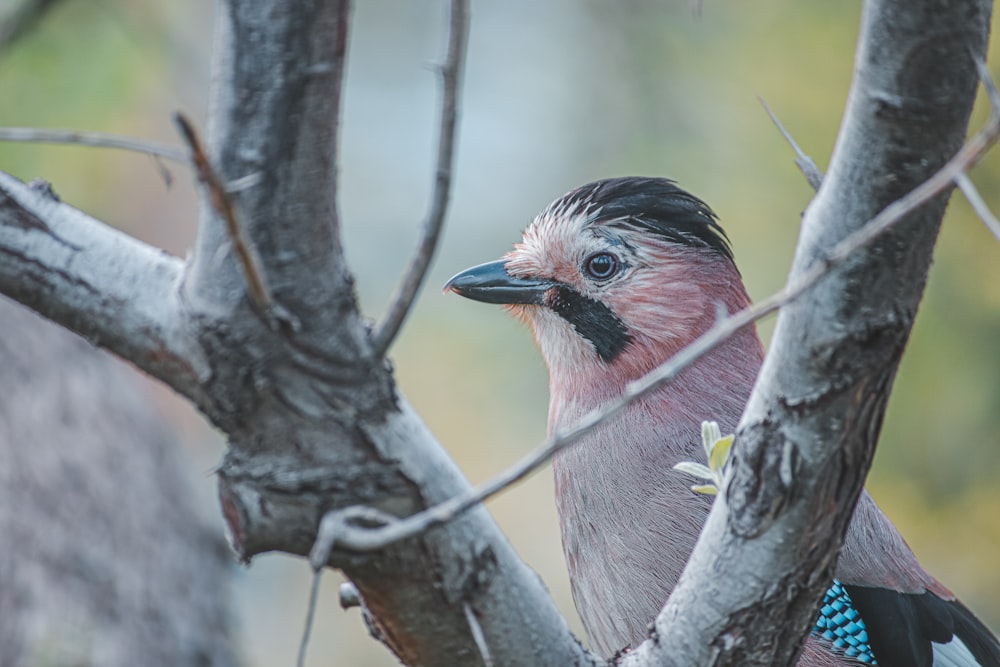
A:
x,y
556,94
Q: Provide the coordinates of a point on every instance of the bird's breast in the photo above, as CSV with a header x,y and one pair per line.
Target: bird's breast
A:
x,y
628,523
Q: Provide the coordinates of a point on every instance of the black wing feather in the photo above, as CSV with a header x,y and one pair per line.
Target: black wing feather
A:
x,y
902,626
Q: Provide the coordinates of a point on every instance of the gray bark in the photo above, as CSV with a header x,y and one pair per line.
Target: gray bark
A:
x,y
104,558
809,431
315,422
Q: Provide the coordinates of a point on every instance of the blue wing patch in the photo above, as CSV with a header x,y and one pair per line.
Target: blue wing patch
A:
x,y
840,624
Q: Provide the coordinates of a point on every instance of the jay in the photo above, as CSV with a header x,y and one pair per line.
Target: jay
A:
x,y
614,278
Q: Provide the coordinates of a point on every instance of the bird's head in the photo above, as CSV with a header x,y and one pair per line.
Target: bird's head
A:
x,y
613,277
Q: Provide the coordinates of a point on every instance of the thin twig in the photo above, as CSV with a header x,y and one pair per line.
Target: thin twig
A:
x,y
451,74
310,616
259,293
337,523
477,634
23,20
978,205
805,163
96,139
383,530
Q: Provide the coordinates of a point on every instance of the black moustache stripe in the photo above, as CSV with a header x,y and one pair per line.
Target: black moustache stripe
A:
x,y
592,319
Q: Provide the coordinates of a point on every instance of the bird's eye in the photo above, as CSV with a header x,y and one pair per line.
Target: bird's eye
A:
x,y
602,265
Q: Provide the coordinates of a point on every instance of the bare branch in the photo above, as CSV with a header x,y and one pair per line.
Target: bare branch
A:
x,y
451,75
981,208
805,163
274,141
770,544
115,291
300,661
23,20
252,269
94,139
277,61
342,527
335,530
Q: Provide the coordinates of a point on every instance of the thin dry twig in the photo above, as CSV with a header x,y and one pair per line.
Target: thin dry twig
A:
x,y
95,139
329,528
805,163
337,523
343,527
260,295
978,205
300,661
451,74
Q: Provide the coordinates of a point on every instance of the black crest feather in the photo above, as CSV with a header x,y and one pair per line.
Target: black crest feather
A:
x,y
655,205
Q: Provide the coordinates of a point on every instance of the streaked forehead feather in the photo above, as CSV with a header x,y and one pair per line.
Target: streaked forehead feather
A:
x,y
654,205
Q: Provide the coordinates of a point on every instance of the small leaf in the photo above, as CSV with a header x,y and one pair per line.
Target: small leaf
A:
x,y
710,433
720,453
706,489
695,469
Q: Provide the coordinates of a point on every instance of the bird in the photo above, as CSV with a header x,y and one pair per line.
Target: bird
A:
x,y
613,278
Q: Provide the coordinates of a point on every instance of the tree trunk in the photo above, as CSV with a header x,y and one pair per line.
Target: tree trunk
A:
x,y
105,560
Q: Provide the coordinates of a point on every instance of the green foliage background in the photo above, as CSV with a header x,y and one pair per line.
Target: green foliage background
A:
x,y
557,93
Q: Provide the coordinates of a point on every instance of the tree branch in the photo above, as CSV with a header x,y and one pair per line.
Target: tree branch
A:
x,y
275,117
809,431
451,76
313,417
94,139
104,285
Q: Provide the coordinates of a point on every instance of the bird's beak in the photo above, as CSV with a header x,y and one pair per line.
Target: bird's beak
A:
x,y
491,283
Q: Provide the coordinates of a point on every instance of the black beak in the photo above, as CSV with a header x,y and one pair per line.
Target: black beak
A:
x,y
491,283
